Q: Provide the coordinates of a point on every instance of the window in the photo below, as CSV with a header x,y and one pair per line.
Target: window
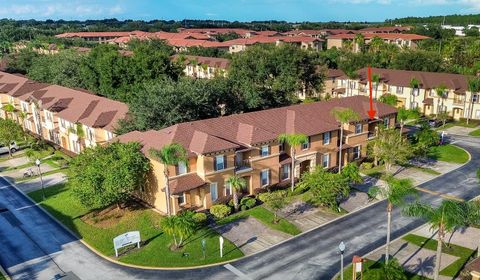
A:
x,y
285,171
228,189
358,128
90,134
281,147
213,191
306,145
181,198
477,114
264,177
326,137
62,123
356,152
181,168
399,90
386,122
413,105
24,107
109,135
326,160
415,91
352,85
264,151
475,98
220,162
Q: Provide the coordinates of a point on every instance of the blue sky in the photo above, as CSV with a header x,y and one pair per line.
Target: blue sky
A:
x,y
242,10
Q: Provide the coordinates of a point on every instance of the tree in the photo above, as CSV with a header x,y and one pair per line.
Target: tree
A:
x,y
474,88
376,81
344,116
444,218
402,116
293,140
108,174
8,109
441,91
473,216
10,132
389,99
169,155
424,139
390,148
237,184
351,172
443,117
359,42
326,189
276,201
179,227
396,191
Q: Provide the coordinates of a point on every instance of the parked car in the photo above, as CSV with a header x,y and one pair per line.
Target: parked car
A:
x,y
13,148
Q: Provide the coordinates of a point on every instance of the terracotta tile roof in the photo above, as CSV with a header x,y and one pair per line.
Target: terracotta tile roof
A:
x,y
335,73
250,129
267,33
385,29
214,62
385,36
185,183
428,80
214,31
73,105
99,34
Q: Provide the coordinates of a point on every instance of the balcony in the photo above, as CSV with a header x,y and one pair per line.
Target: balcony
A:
x,y
458,101
243,166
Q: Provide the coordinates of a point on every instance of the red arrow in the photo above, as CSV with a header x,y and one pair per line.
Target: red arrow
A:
x,y
371,112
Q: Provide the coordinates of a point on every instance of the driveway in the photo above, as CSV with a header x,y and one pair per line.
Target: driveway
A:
x,y
36,247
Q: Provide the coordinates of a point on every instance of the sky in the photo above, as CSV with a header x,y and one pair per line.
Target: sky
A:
x,y
241,10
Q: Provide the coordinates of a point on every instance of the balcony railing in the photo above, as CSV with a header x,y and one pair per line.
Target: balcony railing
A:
x,y
243,165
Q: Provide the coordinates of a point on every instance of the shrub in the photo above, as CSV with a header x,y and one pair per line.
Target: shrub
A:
x,y
200,218
366,165
248,202
352,173
263,196
220,211
243,207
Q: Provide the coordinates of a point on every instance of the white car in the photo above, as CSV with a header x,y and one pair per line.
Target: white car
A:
x,y
4,149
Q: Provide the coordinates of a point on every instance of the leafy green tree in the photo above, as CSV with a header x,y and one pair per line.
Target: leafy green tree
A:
x,y
389,99
352,173
276,201
104,175
10,132
237,184
8,109
417,60
344,116
395,192
474,88
390,148
293,140
179,227
424,139
444,218
402,116
442,92
325,188
169,155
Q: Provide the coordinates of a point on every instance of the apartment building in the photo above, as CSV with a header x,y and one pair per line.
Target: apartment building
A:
x,y
399,39
203,67
101,37
69,118
385,29
458,101
246,145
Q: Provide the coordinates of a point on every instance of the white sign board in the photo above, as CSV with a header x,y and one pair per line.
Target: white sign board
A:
x,y
220,239
358,267
126,239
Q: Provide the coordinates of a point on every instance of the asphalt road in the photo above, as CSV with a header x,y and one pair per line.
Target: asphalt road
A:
x,y
33,246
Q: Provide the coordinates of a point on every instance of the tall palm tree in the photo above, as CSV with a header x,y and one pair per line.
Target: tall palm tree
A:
x,y
9,109
169,155
474,88
343,116
445,218
293,140
473,217
237,184
395,192
441,90
359,42
402,116
376,80
414,84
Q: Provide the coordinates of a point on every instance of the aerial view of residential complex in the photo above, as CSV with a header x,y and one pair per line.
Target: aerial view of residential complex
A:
x,y
253,139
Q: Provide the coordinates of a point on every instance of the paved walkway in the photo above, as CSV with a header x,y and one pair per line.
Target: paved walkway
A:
x,y
18,173
35,184
251,235
306,216
459,130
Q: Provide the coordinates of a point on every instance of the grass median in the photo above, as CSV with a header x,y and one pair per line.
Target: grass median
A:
x,y
155,248
449,153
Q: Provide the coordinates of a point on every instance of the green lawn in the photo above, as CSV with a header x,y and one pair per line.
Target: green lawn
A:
x,y
375,172
264,216
475,133
155,252
448,153
471,124
371,268
453,269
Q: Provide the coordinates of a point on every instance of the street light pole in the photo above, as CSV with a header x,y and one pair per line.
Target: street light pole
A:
x,y
37,162
341,246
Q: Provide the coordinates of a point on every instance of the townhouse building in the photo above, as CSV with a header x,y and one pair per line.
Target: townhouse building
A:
x,y
246,145
399,39
69,118
458,101
203,67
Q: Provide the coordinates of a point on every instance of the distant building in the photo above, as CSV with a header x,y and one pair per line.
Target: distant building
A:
x,y
460,30
401,40
203,67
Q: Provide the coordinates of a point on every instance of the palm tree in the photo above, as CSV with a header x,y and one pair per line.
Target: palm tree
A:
x,y
402,116
352,75
444,218
293,140
359,41
441,91
376,80
180,227
169,155
473,217
343,116
9,109
396,191
23,116
474,88
237,184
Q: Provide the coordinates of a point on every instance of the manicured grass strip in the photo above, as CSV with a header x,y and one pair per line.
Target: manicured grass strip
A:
x,y
155,250
264,216
427,170
475,133
43,174
454,268
375,172
28,164
371,268
448,153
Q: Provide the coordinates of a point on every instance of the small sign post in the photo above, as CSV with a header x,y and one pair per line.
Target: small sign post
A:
x,y
126,239
221,246
204,245
357,263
